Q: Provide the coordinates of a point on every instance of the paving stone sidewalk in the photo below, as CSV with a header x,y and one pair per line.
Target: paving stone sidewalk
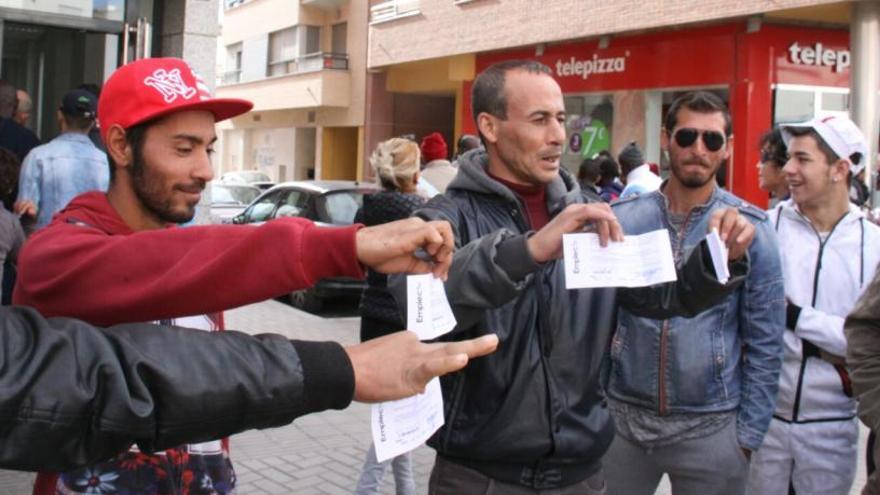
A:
x,y
317,454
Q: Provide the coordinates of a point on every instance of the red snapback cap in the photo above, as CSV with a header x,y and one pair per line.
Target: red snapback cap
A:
x,y
153,87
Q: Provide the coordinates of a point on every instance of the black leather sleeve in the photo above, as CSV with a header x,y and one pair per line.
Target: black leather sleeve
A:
x,y
695,290
72,394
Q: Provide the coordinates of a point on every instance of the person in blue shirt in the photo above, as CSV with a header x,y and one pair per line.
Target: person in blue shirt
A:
x,y
56,172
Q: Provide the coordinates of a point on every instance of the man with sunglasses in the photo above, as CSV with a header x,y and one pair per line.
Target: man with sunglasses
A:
x,y
693,397
829,256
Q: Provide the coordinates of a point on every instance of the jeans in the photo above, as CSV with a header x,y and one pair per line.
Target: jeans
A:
x,y
370,481
714,464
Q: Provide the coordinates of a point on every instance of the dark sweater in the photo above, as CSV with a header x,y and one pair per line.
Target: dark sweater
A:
x,y
379,312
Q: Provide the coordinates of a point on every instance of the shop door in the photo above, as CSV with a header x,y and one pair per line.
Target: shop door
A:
x,y
48,61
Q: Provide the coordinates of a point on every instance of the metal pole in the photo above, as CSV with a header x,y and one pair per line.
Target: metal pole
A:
x,y
148,38
865,80
125,40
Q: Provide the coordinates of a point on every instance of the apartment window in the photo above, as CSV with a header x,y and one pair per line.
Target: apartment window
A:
x,y
282,51
293,49
393,9
233,64
313,39
339,43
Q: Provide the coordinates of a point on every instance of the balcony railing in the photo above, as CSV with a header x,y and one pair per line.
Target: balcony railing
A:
x,y
324,4
231,76
393,9
309,63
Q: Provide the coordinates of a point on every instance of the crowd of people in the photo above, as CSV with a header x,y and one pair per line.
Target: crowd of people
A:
x,y
747,385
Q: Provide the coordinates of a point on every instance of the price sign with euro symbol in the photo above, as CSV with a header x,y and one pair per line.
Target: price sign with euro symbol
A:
x,y
588,136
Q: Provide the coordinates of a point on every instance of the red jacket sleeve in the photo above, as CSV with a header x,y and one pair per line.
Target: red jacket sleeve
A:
x,y
80,271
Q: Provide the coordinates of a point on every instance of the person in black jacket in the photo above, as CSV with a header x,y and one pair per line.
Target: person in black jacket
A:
x,y
531,417
72,394
396,163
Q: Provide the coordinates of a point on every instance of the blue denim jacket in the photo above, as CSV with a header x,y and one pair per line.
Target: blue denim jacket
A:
x,y
58,171
726,358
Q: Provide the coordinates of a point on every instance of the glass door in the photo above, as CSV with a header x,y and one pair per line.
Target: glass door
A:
x,y
47,61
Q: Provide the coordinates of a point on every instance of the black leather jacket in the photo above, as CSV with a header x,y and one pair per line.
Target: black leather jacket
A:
x,y
72,394
534,412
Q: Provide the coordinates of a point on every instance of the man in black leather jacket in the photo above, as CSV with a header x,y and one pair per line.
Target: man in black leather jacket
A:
x,y
532,416
72,394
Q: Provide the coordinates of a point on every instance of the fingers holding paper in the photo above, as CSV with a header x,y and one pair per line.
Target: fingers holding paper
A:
x,y
734,229
407,246
399,365
546,244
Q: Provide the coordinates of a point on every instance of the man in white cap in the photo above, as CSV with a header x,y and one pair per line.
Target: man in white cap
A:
x,y
829,256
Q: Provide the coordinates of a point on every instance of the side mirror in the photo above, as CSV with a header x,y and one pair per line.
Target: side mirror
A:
x,y
239,219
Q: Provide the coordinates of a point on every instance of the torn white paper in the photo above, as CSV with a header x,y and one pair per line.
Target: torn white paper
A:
x,y
638,261
718,251
402,425
428,313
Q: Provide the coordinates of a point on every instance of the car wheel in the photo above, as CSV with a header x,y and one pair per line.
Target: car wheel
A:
x,y
306,300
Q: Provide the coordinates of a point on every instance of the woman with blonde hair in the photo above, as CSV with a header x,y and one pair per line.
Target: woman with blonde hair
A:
x,y
396,164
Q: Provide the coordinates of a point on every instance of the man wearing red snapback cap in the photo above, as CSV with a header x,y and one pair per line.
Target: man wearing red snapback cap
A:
x,y
112,258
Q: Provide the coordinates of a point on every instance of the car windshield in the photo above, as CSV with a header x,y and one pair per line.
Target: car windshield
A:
x,y
233,195
339,208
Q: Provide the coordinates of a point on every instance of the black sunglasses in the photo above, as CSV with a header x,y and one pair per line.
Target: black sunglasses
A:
x,y
687,136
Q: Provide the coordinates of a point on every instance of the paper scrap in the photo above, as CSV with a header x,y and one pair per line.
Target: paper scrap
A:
x,y
718,251
402,425
638,261
428,313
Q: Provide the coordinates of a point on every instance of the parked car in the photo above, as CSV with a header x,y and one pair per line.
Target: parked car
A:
x,y
247,177
229,200
330,202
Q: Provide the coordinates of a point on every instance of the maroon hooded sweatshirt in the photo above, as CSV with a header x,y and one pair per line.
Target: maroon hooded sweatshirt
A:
x,y
89,264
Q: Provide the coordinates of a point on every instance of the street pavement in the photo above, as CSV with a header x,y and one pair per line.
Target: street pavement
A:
x,y
320,453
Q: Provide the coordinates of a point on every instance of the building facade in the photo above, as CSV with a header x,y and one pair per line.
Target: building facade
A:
x,y
622,62
51,46
303,64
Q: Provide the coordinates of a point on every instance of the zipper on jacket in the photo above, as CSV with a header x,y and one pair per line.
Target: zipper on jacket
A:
x,y
800,384
661,399
664,331
517,216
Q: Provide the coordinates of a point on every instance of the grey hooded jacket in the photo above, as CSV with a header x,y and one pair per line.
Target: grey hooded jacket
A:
x,y
534,413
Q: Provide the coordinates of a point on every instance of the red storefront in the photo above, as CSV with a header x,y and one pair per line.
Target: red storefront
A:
x,y
620,92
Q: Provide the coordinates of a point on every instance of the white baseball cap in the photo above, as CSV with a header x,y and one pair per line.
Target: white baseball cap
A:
x,y
840,134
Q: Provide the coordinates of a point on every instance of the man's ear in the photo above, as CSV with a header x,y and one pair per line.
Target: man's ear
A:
x,y
488,126
840,171
728,151
117,147
664,139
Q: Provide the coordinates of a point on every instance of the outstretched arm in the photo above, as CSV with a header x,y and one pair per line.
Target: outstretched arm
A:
x,y
73,394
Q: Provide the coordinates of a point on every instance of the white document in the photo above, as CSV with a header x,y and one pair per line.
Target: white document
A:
x,y
428,313
402,425
638,261
718,251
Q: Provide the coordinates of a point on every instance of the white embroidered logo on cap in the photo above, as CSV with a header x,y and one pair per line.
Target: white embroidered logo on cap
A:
x,y
170,84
